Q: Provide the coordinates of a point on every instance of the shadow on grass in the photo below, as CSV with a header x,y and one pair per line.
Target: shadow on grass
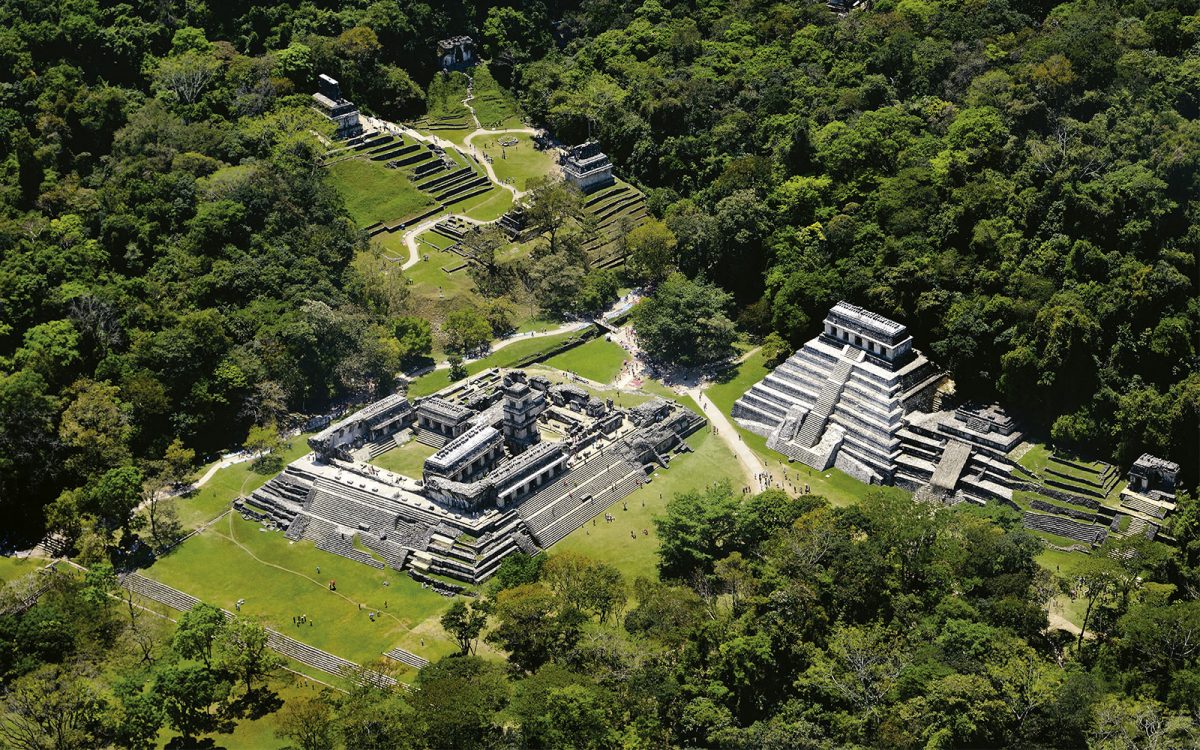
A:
x,y
256,704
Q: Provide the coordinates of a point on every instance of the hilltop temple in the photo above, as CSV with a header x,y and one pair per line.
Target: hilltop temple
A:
x,y
841,399
519,464
456,53
329,101
587,167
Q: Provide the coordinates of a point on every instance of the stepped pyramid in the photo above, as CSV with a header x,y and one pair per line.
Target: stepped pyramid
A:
x,y
840,400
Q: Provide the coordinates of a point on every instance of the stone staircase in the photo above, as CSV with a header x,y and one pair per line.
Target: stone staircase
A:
x,y
1080,532
381,446
525,543
432,439
407,657
814,422
819,456
325,661
394,554
1134,502
586,511
159,592
337,543
950,467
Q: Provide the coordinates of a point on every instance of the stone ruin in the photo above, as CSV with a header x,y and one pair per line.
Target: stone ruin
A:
x,y
520,463
586,167
861,398
841,399
958,455
329,101
456,53
1151,487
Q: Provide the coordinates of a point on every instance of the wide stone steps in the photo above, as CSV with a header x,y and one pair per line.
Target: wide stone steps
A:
x,y
338,544
381,446
568,503
431,438
160,592
1081,532
393,553
327,662
542,499
1142,506
525,543
345,512
407,657
950,467
586,511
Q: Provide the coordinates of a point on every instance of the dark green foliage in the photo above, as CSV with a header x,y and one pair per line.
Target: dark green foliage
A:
x,y
994,176
685,322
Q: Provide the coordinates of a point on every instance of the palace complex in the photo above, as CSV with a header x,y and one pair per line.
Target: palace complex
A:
x,y
520,463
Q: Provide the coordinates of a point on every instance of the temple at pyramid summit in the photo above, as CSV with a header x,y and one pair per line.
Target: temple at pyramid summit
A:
x,y
842,398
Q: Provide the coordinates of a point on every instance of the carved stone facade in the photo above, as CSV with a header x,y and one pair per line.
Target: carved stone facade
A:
x,y
587,167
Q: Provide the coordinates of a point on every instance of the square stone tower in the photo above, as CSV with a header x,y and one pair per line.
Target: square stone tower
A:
x,y
522,405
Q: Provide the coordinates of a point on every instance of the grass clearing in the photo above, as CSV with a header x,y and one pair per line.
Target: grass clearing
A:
x,y
599,360
637,556
407,459
487,206
213,499
236,559
12,568
520,163
375,193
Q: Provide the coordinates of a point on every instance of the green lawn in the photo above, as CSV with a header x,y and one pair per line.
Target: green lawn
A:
x,y
637,556
1038,459
12,568
408,459
278,579
520,163
506,357
214,497
494,106
430,278
488,206
599,360
739,381
374,193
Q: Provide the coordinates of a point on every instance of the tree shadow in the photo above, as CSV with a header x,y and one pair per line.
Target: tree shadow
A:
x,y
256,704
191,743
725,373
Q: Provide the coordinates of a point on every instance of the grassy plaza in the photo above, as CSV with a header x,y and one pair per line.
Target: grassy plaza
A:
x,y
279,579
599,360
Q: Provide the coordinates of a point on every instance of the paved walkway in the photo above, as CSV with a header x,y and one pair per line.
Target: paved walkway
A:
x,y
752,465
410,235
